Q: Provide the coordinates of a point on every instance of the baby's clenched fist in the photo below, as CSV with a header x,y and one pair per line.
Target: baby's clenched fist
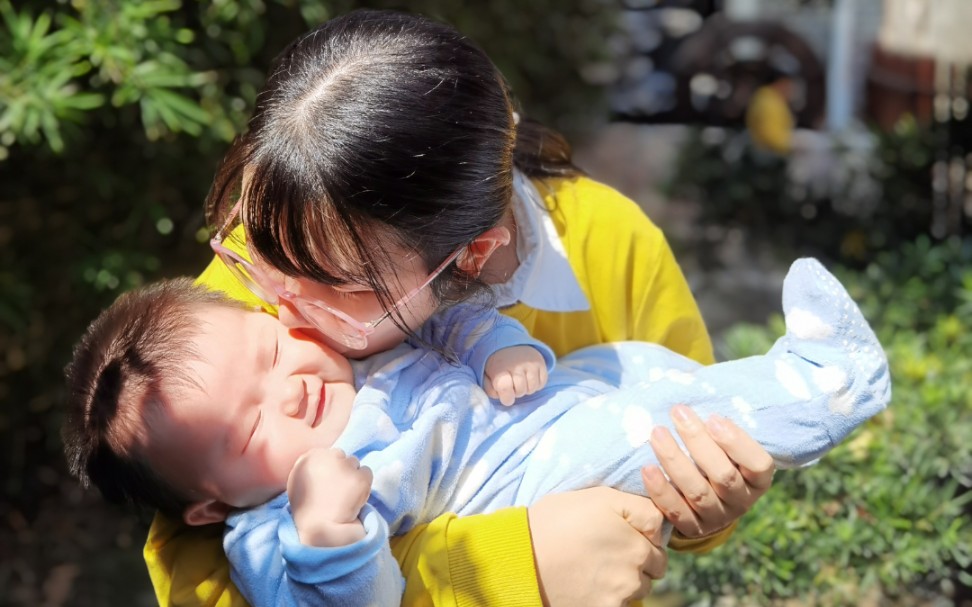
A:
x,y
327,490
514,372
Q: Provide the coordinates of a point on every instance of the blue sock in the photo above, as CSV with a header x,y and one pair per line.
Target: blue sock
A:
x,y
825,327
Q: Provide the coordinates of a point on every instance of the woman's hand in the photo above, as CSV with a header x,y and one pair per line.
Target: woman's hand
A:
x,y
729,473
596,546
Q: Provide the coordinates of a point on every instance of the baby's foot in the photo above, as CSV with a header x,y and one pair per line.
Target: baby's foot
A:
x,y
825,327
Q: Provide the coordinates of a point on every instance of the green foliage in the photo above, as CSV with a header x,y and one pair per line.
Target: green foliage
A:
x,y
126,52
186,66
913,287
888,511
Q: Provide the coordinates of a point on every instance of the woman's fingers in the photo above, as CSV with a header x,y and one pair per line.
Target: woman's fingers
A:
x,y
719,486
596,547
724,473
688,479
644,515
753,462
670,502
656,563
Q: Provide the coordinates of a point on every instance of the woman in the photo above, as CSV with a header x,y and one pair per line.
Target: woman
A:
x,y
386,174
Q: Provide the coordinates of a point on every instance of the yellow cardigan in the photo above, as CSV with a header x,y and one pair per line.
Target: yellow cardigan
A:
x,y
636,291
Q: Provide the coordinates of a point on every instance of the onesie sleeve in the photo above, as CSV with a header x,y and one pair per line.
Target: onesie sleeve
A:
x,y
271,566
474,333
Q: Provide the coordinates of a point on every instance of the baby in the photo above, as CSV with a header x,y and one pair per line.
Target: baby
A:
x,y
187,403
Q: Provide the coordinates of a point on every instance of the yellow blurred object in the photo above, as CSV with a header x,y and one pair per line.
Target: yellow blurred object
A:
x,y
769,120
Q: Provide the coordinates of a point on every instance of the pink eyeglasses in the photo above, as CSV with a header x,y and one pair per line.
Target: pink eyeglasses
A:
x,y
332,322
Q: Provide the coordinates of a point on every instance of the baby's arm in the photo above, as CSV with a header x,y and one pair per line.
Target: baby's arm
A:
x,y
507,361
325,545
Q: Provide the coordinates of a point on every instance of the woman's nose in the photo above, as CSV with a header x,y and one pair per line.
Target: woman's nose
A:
x,y
291,317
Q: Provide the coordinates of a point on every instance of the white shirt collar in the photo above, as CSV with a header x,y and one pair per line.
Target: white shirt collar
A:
x,y
544,279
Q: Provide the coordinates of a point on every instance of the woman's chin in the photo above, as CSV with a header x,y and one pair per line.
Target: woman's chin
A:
x,y
322,338
376,343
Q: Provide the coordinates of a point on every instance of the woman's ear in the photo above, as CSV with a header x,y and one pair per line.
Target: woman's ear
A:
x,y
205,512
478,252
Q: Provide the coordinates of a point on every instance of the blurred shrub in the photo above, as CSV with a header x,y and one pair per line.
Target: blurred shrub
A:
x,y
193,67
844,197
887,513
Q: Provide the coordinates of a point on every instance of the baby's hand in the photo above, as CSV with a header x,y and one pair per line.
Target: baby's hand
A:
x,y
514,372
327,490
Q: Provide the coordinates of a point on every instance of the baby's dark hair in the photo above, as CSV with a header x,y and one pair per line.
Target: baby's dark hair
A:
x,y
121,373
380,128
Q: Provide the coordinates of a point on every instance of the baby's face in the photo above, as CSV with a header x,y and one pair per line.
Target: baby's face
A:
x,y
264,396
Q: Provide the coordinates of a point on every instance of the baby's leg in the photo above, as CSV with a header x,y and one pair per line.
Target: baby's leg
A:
x,y
823,378
628,364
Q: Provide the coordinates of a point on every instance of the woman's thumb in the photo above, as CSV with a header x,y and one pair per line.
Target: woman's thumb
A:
x,y
642,514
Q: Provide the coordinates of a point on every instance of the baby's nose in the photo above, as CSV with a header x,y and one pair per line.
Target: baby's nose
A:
x,y
293,397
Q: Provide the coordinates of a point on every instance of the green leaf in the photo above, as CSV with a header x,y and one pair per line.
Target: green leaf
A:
x,y
40,29
147,9
52,132
177,113
19,25
83,101
152,74
31,122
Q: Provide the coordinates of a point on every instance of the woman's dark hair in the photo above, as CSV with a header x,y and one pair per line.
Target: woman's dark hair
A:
x,y
378,130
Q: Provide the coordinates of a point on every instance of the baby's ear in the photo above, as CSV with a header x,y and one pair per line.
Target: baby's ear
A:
x,y
205,512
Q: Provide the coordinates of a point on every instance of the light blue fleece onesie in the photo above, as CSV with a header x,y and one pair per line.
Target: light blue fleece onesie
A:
x,y
437,444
